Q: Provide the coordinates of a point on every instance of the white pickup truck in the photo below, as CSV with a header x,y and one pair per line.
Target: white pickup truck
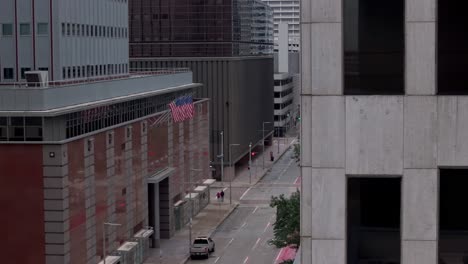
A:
x,y
202,246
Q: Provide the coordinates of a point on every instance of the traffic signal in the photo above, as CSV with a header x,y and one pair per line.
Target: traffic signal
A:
x,y
253,154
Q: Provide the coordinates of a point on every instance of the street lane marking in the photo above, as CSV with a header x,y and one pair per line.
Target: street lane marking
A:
x,y
246,259
229,243
245,223
256,243
266,227
245,193
216,260
297,179
279,254
255,210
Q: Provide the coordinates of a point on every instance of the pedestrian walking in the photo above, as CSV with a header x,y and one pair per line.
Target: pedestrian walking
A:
x,y
222,196
218,195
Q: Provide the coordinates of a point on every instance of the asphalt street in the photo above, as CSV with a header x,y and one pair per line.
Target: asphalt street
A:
x,y
243,236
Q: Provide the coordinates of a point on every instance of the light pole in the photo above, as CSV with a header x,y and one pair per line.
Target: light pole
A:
x,y
104,238
278,138
263,143
250,163
221,156
191,206
230,165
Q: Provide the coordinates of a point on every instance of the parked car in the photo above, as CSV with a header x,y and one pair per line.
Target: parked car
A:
x,y
202,247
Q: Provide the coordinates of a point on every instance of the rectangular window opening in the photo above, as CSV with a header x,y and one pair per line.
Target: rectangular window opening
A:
x,y
374,41
452,48
373,220
453,218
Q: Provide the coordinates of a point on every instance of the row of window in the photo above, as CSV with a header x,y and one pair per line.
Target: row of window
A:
x,y
20,128
283,82
81,30
9,73
283,105
283,93
90,120
42,29
72,72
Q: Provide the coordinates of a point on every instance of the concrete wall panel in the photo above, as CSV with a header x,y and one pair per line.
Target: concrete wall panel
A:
x,y
306,201
420,141
327,59
420,10
374,135
452,131
419,202
306,250
328,204
328,131
325,10
419,252
306,59
306,131
421,58
328,252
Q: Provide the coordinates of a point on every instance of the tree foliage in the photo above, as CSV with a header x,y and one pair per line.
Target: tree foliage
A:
x,y
297,152
287,225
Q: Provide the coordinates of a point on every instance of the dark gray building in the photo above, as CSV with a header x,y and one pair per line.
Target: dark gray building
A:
x,y
228,45
241,95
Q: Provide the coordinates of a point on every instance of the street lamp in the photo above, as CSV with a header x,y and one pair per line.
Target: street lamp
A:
x,y
263,143
250,163
191,205
104,238
230,165
221,156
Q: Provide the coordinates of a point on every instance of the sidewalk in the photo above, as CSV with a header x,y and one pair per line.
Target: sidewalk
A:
x,y
176,249
242,178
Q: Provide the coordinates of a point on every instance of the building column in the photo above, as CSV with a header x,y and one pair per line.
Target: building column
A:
x,y
90,200
129,196
144,168
420,216
111,181
56,204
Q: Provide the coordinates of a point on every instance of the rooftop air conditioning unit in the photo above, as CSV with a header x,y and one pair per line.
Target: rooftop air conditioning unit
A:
x,y
37,78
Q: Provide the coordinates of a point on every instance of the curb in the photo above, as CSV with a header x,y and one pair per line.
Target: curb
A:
x,y
274,162
214,228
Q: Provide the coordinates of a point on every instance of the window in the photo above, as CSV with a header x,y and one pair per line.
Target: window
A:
x,y
8,73
73,30
373,219
452,49
42,28
23,71
7,29
64,29
374,43
68,29
25,29
453,222
43,69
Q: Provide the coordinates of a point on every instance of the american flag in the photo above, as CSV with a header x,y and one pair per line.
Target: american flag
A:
x,y
182,108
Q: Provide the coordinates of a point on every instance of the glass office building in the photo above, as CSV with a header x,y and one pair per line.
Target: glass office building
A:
x,y
204,28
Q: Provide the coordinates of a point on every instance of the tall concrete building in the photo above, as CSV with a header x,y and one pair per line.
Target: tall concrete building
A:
x,y
218,41
84,142
68,39
384,131
286,11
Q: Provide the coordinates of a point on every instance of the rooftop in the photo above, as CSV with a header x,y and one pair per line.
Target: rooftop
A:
x,y
68,95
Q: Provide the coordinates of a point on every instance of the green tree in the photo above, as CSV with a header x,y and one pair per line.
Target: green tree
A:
x,y
297,152
287,225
